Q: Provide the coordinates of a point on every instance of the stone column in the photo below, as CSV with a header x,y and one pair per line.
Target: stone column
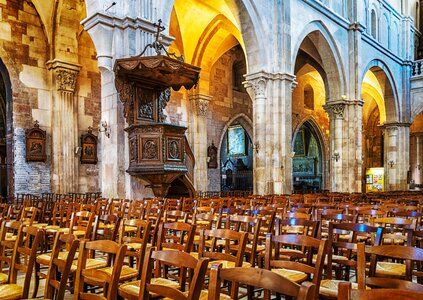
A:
x,y
416,157
345,119
272,121
256,87
396,155
200,104
336,119
64,126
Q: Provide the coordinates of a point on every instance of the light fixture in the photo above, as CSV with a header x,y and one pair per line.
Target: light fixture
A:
x,y
292,154
256,146
104,127
418,167
336,156
391,163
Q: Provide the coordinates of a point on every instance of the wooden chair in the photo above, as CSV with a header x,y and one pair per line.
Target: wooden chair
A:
x,y
342,247
60,266
251,226
162,287
28,215
175,216
136,242
296,270
81,224
256,277
23,258
106,227
297,226
8,236
176,235
223,253
380,274
347,293
108,278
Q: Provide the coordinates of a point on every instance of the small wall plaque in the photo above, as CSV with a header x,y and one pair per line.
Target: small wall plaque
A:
x,y
89,148
35,144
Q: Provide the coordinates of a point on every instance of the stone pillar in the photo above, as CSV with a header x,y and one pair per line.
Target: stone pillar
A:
x,y
345,118
256,87
416,157
336,120
272,121
64,126
396,155
200,104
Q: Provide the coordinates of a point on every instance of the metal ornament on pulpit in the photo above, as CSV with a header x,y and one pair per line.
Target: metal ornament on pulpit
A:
x,y
157,150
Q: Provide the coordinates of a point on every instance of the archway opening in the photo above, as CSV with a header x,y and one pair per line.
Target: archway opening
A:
x,y
6,134
376,91
307,161
236,159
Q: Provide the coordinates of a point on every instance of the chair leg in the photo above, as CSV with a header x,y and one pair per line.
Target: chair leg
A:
x,y
37,280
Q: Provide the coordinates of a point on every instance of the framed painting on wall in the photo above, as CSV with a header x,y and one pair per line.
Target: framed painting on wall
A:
x,y
236,141
35,144
89,148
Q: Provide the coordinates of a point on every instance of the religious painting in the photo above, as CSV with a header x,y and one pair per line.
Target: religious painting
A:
x,y
236,141
89,148
35,144
299,146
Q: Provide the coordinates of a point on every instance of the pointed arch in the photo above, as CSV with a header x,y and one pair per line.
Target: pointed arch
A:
x,y
7,84
392,107
245,122
329,52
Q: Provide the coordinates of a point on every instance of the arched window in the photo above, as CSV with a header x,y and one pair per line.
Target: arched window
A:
x,y
373,23
308,97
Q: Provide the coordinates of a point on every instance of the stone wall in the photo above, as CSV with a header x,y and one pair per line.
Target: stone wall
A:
x,y
226,104
25,50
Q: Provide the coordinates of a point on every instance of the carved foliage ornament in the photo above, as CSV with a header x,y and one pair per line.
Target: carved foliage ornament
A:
x,y
126,93
337,110
202,106
66,80
259,86
133,149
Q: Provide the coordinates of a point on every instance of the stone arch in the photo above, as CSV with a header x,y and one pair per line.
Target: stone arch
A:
x,y
312,124
245,121
331,58
9,126
391,103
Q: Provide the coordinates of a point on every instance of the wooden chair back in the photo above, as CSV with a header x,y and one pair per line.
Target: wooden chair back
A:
x,y
60,269
177,259
347,293
176,235
257,277
116,254
274,249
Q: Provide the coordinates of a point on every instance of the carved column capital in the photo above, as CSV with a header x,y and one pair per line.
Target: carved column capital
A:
x,y
65,74
335,110
201,103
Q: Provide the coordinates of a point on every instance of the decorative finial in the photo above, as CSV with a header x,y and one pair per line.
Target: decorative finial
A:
x,y
157,44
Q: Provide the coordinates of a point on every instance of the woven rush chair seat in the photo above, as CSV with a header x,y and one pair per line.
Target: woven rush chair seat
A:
x,y
204,295
126,273
3,278
11,291
329,287
133,288
293,275
390,268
